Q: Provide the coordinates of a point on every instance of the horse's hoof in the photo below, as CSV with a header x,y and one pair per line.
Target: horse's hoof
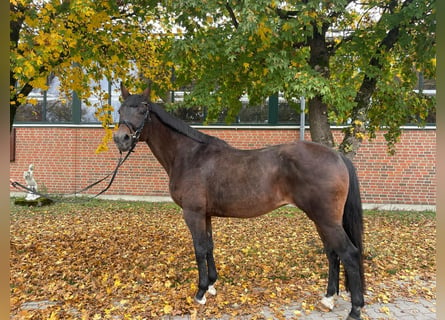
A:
x,y
328,302
354,314
201,301
350,317
211,290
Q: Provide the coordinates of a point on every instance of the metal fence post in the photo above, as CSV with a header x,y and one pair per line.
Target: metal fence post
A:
x,y
302,117
76,108
273,109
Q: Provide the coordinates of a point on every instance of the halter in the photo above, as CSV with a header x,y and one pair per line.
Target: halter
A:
x,y
136,133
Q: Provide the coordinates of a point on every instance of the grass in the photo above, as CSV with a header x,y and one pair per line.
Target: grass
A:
x,y
72,204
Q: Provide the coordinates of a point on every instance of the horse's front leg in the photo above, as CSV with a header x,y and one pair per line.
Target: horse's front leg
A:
x,y
211,267
197,225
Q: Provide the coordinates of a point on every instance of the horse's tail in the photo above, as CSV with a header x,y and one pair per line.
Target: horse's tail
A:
x,y
353,216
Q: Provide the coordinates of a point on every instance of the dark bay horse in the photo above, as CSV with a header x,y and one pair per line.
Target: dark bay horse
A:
x,y
209,178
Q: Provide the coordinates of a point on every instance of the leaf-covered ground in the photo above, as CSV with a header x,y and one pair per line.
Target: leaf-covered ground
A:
x,y
119,260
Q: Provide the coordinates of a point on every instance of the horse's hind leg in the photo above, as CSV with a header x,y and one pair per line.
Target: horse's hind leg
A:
x,y
336,238
333,278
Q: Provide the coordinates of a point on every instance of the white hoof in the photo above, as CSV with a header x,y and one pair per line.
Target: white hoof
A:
x,y
328,302
211,290
202,301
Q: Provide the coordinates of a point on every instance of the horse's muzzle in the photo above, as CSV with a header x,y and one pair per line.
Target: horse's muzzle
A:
x,y
123,140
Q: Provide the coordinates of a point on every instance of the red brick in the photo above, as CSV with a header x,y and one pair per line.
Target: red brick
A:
x,y
65,161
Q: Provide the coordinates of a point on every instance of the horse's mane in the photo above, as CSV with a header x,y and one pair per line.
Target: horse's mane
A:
x,y
182,127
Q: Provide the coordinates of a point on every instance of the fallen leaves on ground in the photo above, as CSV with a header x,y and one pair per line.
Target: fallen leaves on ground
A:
x,y
115,260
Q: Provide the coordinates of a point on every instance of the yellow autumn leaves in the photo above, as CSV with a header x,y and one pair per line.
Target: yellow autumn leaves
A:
x,y
135,261
83,42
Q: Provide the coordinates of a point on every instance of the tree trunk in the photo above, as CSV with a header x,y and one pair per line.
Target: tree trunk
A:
x,y
14,101
12,112
318,111
319,123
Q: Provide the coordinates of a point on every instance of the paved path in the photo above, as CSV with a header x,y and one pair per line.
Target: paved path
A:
x,y
400,309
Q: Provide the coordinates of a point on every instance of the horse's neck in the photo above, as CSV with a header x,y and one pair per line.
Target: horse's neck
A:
x,y
165,143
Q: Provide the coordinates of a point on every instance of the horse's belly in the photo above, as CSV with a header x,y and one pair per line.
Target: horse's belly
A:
x,y
244,207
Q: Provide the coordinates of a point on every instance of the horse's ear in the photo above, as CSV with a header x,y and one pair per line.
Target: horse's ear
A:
x,y
147,93
124,91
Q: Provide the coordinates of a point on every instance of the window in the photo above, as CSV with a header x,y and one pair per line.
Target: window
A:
x,y
53,107
50,106
88,112
272,111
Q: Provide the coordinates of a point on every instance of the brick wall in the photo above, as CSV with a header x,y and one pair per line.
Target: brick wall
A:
x,y
65,161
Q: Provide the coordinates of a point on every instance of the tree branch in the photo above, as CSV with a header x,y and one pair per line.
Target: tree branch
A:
x,y
232,15
354,135
285,14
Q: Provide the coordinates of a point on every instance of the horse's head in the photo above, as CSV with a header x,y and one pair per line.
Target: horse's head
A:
x,y
133,114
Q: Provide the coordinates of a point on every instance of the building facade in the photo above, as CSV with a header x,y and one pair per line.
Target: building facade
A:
x,y
65,161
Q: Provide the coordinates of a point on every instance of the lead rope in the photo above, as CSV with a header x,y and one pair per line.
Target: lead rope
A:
x,y
113,174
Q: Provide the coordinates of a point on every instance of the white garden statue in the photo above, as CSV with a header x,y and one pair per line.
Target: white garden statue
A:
x,y
30,183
